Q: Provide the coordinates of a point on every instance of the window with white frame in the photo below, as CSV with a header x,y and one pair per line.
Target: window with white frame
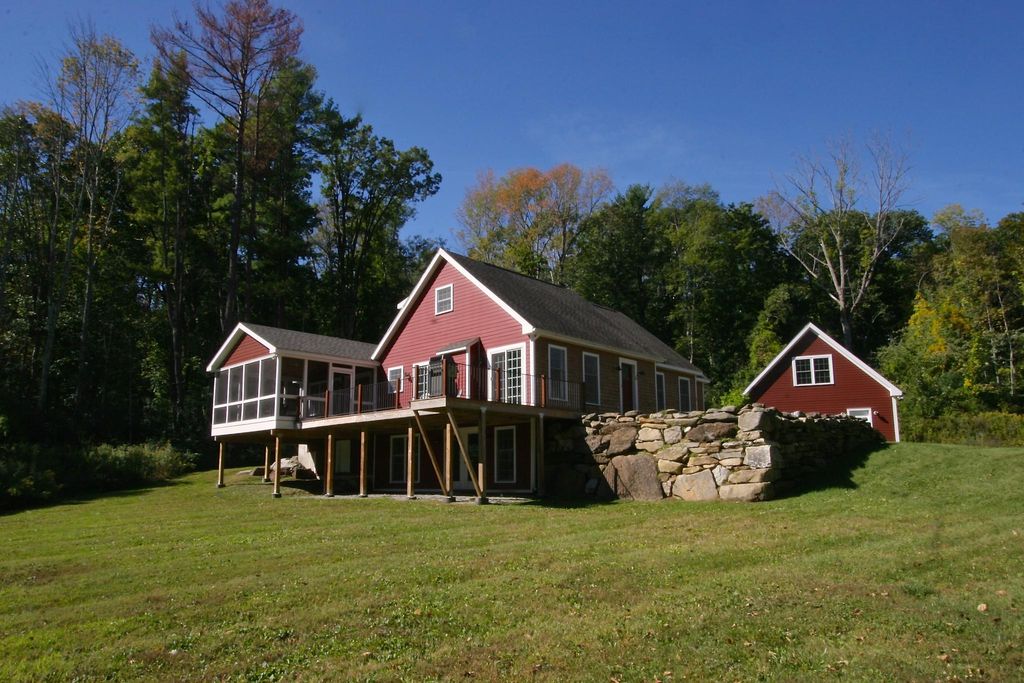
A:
x,y
684,394
505,455
506,375
659,390
398,458
444,300
861,414
808,370
395,380
245,392
592,378
558,371
422,371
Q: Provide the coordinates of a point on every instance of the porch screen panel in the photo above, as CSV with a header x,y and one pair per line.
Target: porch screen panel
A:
x,y
292,370
268,382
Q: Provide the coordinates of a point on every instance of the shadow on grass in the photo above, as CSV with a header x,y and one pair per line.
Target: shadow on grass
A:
x,y
82,497
837,475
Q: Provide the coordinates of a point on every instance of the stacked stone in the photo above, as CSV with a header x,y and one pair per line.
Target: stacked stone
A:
x,y
745,454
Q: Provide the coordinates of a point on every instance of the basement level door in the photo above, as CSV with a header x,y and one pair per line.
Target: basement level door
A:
x,y
460,477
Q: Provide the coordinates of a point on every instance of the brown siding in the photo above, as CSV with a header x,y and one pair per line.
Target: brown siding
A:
x,y
851,388
246,349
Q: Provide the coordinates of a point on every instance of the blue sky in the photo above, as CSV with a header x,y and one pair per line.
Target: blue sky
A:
x,y
727,93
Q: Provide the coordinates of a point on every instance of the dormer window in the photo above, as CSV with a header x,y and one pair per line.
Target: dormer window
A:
x,y
443,300
809,370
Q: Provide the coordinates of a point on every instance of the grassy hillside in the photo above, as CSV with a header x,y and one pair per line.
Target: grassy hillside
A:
x,y
875,582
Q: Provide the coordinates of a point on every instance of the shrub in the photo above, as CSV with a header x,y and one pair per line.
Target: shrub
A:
x,y
969,429
31,474
107,467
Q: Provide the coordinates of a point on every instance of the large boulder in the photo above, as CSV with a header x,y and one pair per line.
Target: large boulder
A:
x,y
746,493
622,440
634,477
711,431
698,486
754,420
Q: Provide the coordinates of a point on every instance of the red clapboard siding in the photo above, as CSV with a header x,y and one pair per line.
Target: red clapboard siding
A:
x,y
851,388
474,314
246,349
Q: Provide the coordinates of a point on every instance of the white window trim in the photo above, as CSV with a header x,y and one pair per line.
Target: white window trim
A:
x,y
405,458
451,299
563,384
401,377
636,384
869,411
515,446
831,370
524,384
664,391
583,373
680,383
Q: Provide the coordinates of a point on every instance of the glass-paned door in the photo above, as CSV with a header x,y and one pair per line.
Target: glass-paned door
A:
x,y
341,392
507,376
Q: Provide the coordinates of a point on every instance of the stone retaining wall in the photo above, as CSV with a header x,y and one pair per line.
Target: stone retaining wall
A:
x,y
747,454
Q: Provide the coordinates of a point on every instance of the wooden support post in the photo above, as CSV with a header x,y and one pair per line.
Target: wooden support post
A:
x,y
448,462
359,399
277,467
444,376
415,383
430,452
543,391
410,490
465,453
362,464
220,465
266,464
481,466
329,474
540,456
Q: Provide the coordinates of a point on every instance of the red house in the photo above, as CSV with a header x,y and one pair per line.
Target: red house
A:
x,y
815,373
455,396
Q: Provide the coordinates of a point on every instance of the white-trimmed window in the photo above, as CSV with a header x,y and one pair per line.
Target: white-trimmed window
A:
x,y
592,378
506,376
659,390
395,379
398,457
808,370
422,371
505,455
558,371
444,299
684,394
861,414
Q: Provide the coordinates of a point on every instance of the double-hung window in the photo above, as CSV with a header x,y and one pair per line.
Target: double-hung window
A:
x,y
809,370
444,300
558,390
592,378
684,394
505,455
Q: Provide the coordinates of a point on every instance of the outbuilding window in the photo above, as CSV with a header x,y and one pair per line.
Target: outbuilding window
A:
x,y
861,414
808,370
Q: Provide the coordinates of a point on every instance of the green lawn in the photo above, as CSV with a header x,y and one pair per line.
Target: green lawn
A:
x,y
876,582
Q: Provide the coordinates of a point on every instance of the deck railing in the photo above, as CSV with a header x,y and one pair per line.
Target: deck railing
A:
x,y
451,380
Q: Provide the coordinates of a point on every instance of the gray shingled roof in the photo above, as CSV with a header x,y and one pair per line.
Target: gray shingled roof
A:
x,y
561,311
318,344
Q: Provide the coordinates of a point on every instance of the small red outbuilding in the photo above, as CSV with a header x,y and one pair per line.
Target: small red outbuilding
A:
x,y
815,373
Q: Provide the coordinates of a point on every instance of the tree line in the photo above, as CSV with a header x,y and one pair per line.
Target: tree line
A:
x,y
937,305
145,210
